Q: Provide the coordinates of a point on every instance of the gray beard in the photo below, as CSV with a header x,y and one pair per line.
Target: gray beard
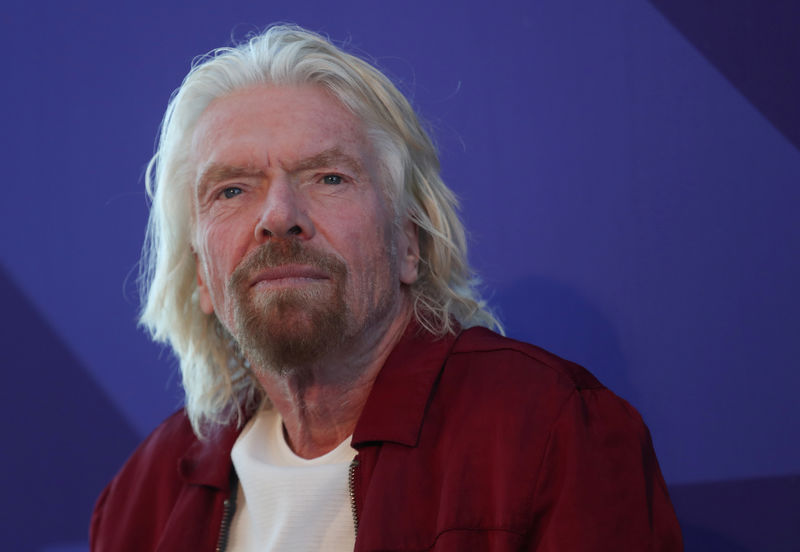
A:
x,y
290,331
286,331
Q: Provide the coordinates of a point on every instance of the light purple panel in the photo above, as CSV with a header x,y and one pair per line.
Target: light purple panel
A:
x,y
627,207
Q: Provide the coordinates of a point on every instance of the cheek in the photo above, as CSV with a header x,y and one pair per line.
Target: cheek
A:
x,y
375,265
215,248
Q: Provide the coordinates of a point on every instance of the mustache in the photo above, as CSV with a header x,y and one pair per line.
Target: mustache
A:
x,y
282,252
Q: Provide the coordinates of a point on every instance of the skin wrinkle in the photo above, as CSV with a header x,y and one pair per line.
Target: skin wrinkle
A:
x,y
216,173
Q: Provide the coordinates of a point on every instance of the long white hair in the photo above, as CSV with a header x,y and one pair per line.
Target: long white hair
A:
x,y
218,385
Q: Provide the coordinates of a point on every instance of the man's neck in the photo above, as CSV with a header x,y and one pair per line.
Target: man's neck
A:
x,y
320,412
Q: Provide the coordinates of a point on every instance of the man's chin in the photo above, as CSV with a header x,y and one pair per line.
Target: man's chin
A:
x,y
290,334
285,354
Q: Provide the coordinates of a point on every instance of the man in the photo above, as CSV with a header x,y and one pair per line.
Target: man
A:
x,y
306,264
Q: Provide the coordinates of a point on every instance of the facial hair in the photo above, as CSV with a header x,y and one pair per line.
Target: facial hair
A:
x,y
287,329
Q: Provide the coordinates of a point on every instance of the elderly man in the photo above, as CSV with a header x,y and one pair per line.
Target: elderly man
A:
x,y
343,392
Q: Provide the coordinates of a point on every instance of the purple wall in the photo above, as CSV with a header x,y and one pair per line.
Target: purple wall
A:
x,y
629,174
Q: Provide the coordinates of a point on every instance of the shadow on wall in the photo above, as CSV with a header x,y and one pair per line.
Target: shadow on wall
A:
x,y
558,318
68,438
749,515
753,515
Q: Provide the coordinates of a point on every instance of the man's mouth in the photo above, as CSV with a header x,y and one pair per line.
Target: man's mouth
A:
x,y
288,275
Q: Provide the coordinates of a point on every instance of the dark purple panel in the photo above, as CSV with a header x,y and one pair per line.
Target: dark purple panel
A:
x,y
63,437
756,45
750,515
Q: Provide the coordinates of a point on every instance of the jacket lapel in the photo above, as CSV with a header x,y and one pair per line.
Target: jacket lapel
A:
x,y
194,523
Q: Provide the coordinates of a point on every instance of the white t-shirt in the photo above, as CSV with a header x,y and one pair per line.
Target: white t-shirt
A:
x,y
286,502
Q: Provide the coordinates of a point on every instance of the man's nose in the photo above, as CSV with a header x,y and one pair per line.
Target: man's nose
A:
x,y
283,213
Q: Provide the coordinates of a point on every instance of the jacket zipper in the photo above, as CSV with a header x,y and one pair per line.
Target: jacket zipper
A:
x,y
228,509
351,480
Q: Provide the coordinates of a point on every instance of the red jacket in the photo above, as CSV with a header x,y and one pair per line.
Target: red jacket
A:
x,y
475,442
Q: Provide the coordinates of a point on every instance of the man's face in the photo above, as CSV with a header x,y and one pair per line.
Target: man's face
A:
x,y
297,250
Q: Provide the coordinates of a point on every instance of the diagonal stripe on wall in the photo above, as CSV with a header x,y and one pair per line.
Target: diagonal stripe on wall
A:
x,y
63,438
713,515
756,45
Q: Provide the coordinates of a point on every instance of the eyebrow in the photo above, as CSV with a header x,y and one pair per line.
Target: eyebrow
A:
x,y
217,172
326,158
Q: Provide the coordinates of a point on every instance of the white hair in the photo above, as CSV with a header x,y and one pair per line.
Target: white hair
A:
x,y
218,385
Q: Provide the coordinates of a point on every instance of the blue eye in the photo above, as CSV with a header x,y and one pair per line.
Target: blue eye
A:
x,y
231,191
332,179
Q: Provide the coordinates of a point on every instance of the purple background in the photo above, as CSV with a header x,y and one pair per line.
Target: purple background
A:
x,y
629,174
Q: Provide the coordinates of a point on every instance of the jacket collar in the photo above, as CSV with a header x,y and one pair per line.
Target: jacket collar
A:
x,y
208,462
394,410
400,395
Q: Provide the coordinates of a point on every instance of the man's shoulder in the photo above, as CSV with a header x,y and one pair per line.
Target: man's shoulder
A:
x,y
176,429
527,394
174,445
480,347
158,454
131,511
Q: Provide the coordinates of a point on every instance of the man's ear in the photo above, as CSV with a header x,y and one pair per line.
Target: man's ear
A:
x,y
203,293
408,252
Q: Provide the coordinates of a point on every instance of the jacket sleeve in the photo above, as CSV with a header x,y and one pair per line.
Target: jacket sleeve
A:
x,y
600,487
97,518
